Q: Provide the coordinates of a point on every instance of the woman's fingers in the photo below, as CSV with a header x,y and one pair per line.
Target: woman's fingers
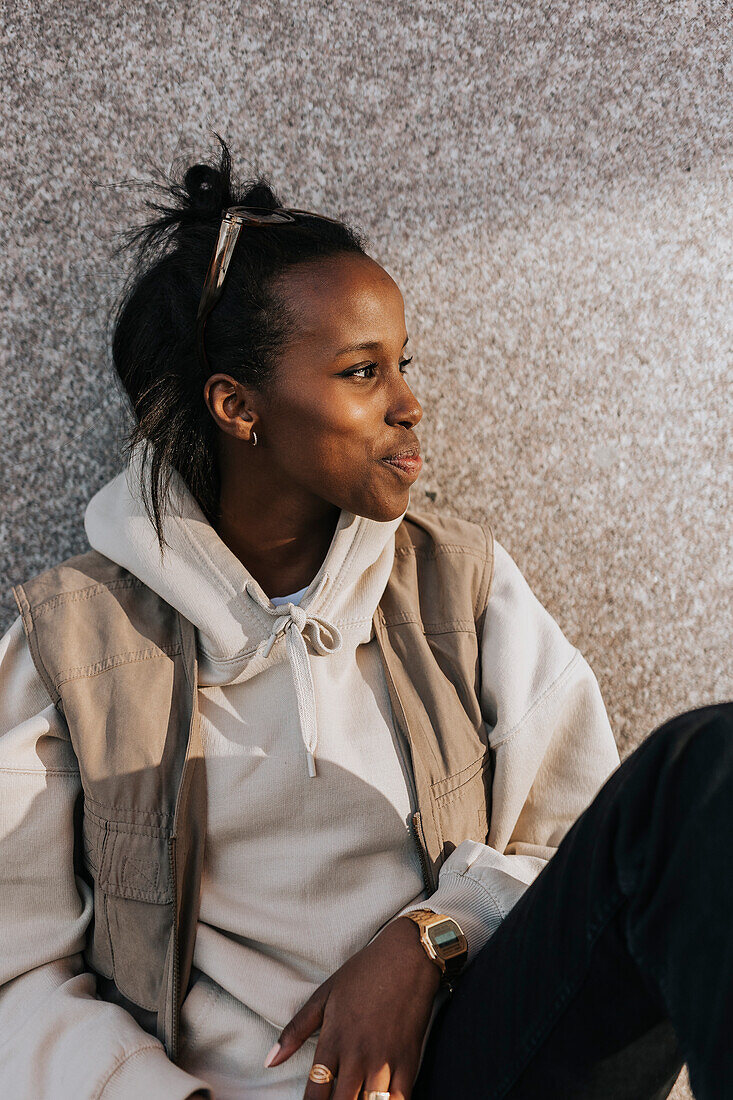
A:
x,y
401,1084
351,1079
315,1090
305,1021
380,1080
350,1082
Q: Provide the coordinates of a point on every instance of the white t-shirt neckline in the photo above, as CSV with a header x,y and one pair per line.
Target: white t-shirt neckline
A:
x,y
294,597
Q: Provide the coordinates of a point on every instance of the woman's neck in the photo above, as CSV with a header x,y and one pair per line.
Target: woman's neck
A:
x,y
281,561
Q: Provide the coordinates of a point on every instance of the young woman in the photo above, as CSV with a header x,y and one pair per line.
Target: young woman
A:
x,y
273,711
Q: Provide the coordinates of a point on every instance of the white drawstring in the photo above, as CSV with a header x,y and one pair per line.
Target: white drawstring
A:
x,y
292,620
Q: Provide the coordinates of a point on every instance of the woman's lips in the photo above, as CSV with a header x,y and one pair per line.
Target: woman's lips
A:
x,y
406,465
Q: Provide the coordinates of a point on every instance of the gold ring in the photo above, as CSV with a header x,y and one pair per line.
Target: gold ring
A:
x,y
320,1074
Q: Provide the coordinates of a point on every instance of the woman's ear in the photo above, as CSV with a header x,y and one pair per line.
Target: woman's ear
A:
x,y
230,403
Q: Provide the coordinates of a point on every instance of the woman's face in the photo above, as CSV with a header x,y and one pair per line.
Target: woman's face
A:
x,y
335,411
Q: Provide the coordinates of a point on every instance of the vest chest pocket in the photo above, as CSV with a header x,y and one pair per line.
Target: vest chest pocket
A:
x,y
462,804
130,865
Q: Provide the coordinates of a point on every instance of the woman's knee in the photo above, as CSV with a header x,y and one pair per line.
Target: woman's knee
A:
x,y
680,787
706,730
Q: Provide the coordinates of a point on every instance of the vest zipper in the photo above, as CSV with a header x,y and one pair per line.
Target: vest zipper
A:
x,y
173,1053
419,838
175,1014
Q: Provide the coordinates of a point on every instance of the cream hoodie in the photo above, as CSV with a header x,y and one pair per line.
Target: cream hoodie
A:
x,y
301,870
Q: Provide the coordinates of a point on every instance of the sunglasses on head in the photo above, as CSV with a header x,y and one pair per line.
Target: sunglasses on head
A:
x,y
233,221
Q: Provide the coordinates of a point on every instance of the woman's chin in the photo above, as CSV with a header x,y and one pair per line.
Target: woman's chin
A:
x,y
388,506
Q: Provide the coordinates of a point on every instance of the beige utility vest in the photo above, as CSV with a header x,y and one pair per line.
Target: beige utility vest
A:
x,y
120,664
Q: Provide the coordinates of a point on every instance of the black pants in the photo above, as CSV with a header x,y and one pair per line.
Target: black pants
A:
x,y
616,965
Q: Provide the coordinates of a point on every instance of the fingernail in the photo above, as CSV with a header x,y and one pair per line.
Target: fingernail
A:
x,y
272,1055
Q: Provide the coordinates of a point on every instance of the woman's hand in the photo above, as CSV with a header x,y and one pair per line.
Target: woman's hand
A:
x,y
373,1014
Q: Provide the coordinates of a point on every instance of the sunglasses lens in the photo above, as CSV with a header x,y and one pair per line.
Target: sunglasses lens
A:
x,y
303,215
253,215
257,215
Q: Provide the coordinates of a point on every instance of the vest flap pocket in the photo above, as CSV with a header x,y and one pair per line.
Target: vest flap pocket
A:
x,y
128,860
446,790
138,866
133,903
462,804
97,949
140,935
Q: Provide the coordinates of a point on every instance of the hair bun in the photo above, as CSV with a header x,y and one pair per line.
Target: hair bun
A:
x,y
205,187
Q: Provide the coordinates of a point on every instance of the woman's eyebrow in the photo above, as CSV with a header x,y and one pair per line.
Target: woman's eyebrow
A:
x,y
363,347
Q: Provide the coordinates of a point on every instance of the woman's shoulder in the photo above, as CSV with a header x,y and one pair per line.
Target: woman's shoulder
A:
x,y
429,530
456,563
73,575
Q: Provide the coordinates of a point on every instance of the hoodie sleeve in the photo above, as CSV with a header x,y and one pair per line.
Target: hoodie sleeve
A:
x,y
56,1038
553,751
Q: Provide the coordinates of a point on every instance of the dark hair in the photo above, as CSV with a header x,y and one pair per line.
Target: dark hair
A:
x,y
154,324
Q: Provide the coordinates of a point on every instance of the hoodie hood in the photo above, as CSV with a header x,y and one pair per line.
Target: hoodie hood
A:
x,y
240,632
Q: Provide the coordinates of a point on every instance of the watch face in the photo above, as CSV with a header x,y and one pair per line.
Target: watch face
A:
x,y
444,937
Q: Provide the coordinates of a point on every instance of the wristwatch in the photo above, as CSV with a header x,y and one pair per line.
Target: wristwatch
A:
x,y
443,940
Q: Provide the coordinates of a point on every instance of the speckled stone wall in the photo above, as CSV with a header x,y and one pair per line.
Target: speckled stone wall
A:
x,y
549,184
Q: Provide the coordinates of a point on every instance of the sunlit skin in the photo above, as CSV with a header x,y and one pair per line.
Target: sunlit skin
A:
x,y
321,430
321,435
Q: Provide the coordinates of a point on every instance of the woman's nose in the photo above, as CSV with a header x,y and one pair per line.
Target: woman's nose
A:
x,y
404,406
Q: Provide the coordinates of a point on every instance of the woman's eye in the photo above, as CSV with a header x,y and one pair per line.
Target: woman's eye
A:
x,y
371,367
